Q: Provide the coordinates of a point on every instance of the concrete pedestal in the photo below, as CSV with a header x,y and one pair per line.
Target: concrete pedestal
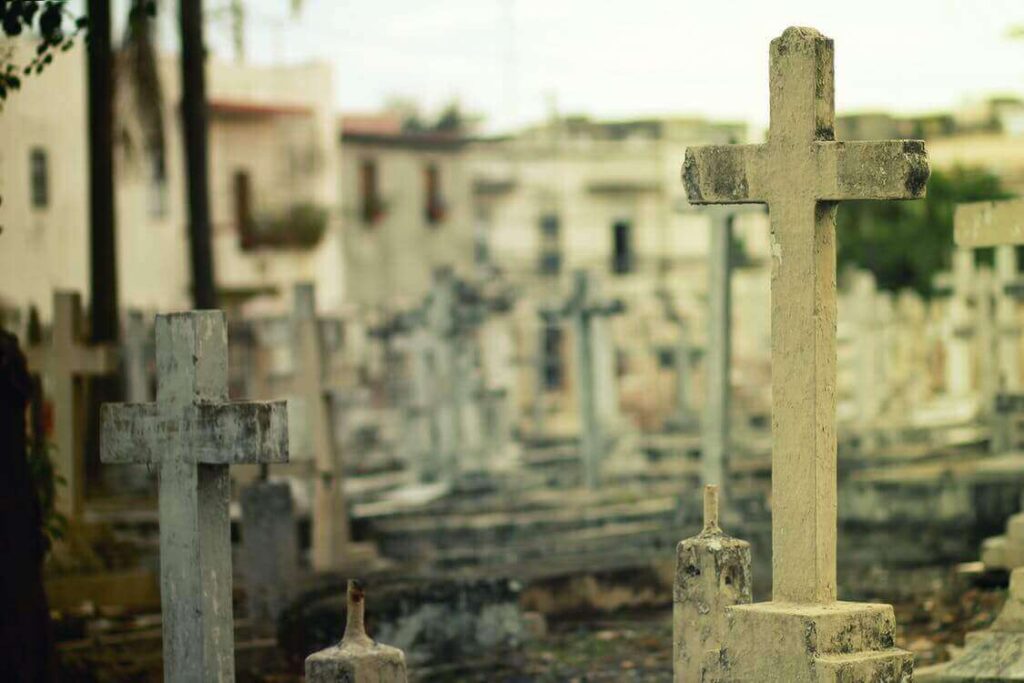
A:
x,y
1007,551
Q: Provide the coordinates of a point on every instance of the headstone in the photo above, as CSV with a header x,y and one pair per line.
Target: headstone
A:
x,y
802,174
63,364
135,358
869,349
958,354
593,356
191,435
330,532
268,522
357,658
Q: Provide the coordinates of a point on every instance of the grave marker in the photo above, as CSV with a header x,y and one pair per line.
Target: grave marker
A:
x,y
63,363
583,309
802,174
191,435
330,533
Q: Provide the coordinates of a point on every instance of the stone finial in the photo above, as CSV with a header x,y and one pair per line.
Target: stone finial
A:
x,y
357,658
355,621
711,508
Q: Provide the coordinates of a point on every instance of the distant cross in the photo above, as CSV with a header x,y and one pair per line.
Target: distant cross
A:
x,y
64,363
330,536
583,309
1000,225
192,434
801,173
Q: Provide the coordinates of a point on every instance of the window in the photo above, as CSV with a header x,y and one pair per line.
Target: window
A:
x,y
242,191
551,357
550,245
371,209
434,208
39,174
622,247
157,183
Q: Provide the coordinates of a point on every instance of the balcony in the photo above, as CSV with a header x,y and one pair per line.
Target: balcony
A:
x,y
299,227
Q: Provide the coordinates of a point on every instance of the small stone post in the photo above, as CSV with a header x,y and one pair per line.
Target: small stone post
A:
x,y
357,658
712,573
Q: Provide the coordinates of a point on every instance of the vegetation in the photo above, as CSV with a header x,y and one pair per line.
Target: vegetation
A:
x,y
301,226
56,26
906,243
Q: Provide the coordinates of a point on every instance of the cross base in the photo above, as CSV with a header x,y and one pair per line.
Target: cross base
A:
x,y
371,663
841,641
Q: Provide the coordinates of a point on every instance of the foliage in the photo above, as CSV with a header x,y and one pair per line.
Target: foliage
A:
x,y
46,480
48,20
301,226
906,243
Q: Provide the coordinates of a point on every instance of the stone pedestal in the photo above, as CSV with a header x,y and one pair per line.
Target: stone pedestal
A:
x,y
271,550
838,642
357,658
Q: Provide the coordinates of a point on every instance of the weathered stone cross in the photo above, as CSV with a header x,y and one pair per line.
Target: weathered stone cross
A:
x,y
192,434
801,173
583,308
330,536
1000,225
63,363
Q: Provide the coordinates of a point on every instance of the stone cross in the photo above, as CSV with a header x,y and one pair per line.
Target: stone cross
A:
x,y
1000,225
802,173
191,435
583,309
330,532
64,362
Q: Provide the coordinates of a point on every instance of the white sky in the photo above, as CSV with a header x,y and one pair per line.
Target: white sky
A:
x,y
510,59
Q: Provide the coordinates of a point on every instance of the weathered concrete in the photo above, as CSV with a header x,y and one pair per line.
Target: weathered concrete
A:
x,y
713,572
802,173
270,549
357,658
63,364
192,434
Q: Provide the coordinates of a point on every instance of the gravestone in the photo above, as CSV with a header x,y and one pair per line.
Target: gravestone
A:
x,y
309,383
804,633
63,364
270,551
357,658
192,434
869,378
595,379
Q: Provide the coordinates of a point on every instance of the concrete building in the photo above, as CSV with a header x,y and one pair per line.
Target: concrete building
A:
x,y
273,188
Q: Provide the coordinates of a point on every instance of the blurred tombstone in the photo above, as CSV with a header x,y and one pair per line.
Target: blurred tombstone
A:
x,y
63,364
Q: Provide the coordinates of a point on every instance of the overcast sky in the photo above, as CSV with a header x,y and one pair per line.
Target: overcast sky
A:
x,y
512,60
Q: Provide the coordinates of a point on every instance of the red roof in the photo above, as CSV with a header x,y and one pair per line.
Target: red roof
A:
x,y
247,108
371,124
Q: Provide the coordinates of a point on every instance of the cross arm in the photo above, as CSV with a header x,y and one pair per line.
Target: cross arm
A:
x,y
726,174
213,434
892,169
989,224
